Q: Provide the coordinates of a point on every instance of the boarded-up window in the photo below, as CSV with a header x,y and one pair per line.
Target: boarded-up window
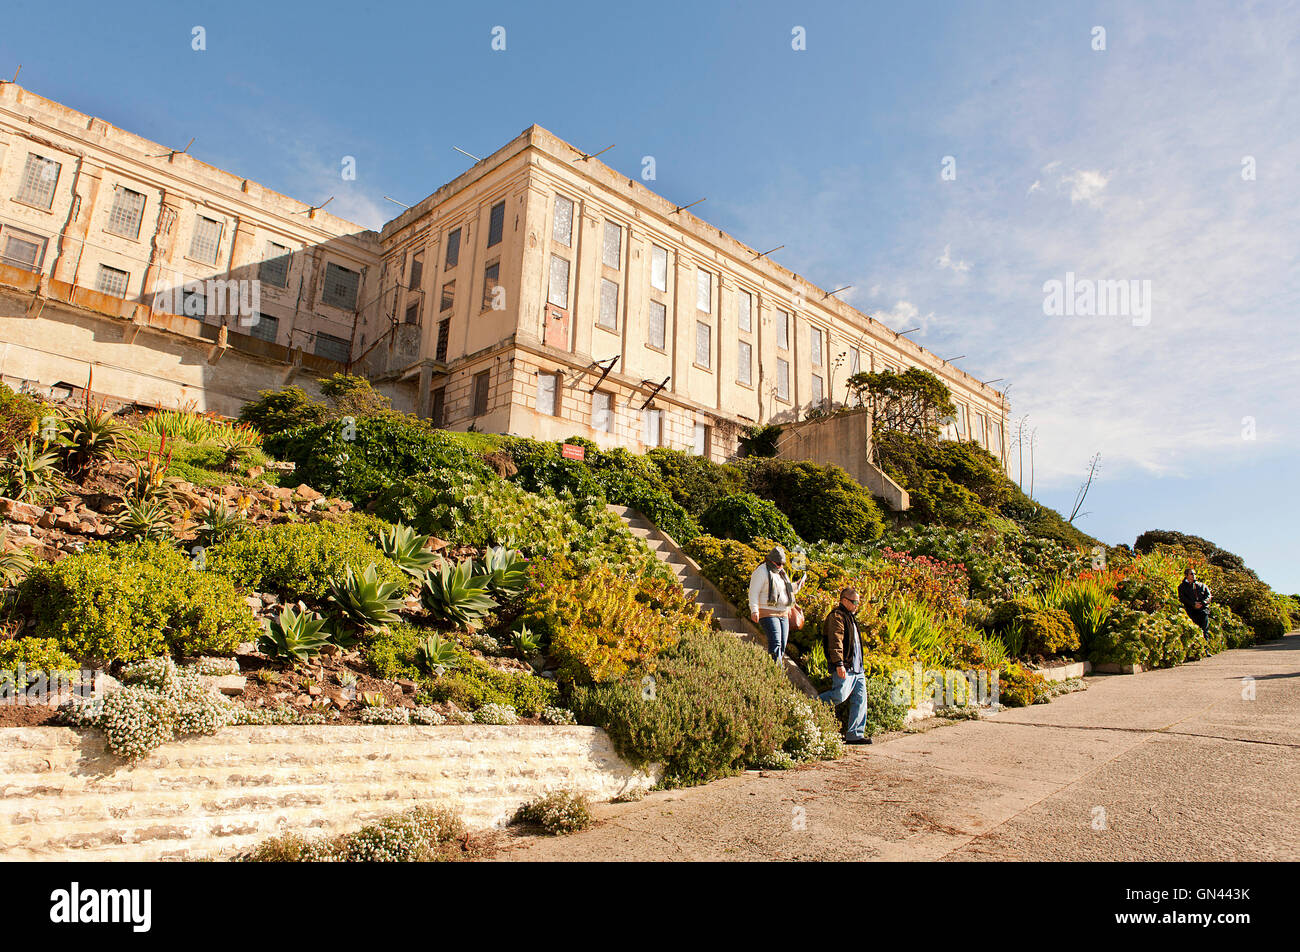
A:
x,y
745,311
817,392
744,363
112,281
546,394
448,296
608,305
704,292
417,270
612,248
335,348
40,176
453,249
782,379
562,225
496,223
559,290
652,433
206,241
703,344
438,407
815,346
341,285
783,329
125,214
701,447
659,268
274,269
481,383
602,411
658,325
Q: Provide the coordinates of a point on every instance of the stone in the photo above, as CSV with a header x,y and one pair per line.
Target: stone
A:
x,y
230,684
253,602
256,471
315,690
246,648
46,521
436,544
68,523
407,685
306,492
20,512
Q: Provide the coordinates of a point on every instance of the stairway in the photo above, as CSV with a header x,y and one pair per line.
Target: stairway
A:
x,y
707,596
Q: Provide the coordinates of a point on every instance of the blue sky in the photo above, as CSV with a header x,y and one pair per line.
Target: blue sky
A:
x,y
1123,163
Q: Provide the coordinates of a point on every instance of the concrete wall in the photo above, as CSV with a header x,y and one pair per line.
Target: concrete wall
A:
x,y
843,440
62,797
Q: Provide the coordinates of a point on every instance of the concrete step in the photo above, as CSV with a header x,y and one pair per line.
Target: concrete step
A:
x,y
733,625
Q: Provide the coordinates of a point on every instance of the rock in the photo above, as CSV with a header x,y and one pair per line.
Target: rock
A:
x,y
68,523
245,649
231,684
329,651
46,521
20,512
253,602
19,529
301,700
306,492
256,471
315,690
407,685
436,544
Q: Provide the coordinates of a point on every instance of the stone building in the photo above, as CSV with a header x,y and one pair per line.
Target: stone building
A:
x,y
539,293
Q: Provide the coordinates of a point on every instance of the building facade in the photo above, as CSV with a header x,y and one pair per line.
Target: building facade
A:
x,y
539,293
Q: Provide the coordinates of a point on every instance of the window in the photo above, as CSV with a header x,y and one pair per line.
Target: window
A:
x,y
817,393
453,249
659,268
124,217
547,388
496,223
275,267
448,296
491,281
562,223
815,345
652,428
112,281
745,311
995,438
612,250
334,348
40,176
417,271
961,421
744,363
602,411
444,332
703,344
341,286
658,325
22,250
701,447
704,292
559,292
783,329
608,305
206,241
481,381
783,379
264,327
413,312
977,432
438,407
855,361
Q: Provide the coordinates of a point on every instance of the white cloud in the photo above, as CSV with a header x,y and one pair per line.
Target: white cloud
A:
x,y
945,261
1085,186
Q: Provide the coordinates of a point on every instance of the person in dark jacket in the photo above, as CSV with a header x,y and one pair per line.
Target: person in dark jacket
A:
x,y
1195,597
844,658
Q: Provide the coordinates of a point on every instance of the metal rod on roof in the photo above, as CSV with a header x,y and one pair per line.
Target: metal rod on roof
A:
x,y
470,154
682,208
951,359
994,380
766,253
16,72
396,202
898,334
837,290
317,208
585,156
185,150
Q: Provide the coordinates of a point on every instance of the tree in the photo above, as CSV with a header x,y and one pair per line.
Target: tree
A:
x,y
912,402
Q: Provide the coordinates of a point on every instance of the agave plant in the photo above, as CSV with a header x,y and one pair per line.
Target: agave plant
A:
x,y
28,473
87,437
143,519
219,522
506,571
456,594
14,564
525,643
238,453
405,546
293,636
435,654
366,600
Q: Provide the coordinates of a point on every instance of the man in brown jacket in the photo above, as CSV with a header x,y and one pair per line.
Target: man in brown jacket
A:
x,y
844,658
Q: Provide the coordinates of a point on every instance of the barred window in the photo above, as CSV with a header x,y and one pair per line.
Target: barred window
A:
x,y
704,292
703,344
22,250
491,281
341,287
413,312
40,176
783,329
612,251
815,345
444,333
334,348
744,364
658,325
562,224
125,215
608,305
265,327
559,290
496,223
453,249
481,384
782,379
745,311
206,241
274,269
659,268
112,281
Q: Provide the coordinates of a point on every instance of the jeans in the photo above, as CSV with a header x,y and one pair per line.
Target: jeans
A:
x,y
777,629
852,687
1201,617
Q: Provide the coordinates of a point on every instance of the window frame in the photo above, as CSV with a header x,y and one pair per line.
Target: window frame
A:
x,y
662,346
496,224
783,364
118,191
550,283
23,183
747,349
325,287
99,280
705,328
567,239
654,259
199,220
606,283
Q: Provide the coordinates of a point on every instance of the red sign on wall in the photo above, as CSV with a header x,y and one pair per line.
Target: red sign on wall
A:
x,y
573,451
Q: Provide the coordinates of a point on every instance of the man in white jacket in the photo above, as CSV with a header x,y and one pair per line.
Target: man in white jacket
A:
x,y
771,595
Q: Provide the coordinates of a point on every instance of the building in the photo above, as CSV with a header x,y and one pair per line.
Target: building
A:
x,y
539,293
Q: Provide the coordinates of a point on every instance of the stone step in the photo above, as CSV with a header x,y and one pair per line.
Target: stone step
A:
x,y
733,625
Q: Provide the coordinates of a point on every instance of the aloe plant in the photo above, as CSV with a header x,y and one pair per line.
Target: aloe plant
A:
x,y
219,522
14,564
28,474
506,571
525,643
88,436
456,594
434,654
143,519
293,636
405,546
366,600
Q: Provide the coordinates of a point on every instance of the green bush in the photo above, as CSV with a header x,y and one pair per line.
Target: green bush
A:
x,y
713,705
128,601
823,503
1250,600
1154,640
556,813
694,482
1222,558
298,559
278,411
1046,631
418,835
18,414
745,517
35,654
728,564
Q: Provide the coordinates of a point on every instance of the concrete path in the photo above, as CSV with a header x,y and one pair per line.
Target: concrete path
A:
x,y
1166,765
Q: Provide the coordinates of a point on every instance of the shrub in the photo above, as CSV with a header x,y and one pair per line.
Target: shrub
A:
x,y
885,713
1088,603
1153,539
1250,600
456,594
1046,631
713,705
418,835
1154,640
494,713
694,482
821,502
20,417
28,473
127,601
745,517
35,654
297,560
279,411
1020,687
759,440
556,813
350,395
951,483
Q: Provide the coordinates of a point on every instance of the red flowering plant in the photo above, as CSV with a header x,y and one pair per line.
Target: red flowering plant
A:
x,y
942,586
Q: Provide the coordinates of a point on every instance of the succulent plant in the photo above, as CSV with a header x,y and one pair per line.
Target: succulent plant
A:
x,y
143,519
434,654
405,546
219,522
28,473
87,436
456,594
525,643
366,600
295,635
506,571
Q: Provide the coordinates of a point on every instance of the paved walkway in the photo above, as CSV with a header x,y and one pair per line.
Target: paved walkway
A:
x,y
1166,765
